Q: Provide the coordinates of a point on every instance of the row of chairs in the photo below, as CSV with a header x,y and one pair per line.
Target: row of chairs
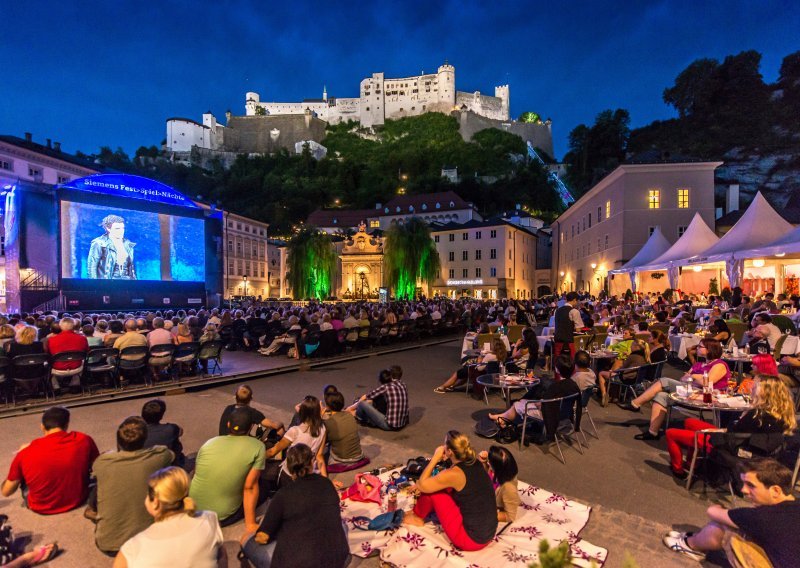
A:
x,y
31,375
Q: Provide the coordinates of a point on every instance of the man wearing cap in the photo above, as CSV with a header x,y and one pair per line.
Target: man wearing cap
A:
x,y
227,472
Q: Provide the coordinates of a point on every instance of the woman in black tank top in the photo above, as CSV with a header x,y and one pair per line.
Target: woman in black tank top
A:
x,y
462,495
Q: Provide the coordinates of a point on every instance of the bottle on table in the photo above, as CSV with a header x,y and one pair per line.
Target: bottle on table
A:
x,y
707,396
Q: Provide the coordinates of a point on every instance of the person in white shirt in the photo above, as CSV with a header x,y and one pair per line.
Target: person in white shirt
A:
x,y
159,335
180,536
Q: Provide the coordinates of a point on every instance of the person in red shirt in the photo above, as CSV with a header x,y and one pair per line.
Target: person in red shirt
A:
x,y
65,341
53,470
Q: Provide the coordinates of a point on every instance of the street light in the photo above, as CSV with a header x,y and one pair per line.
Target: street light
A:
x,y
245,285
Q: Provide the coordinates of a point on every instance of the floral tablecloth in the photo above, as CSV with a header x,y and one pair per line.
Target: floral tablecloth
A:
x,y
542,515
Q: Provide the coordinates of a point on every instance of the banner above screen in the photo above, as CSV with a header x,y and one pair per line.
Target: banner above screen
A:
x,y
132,187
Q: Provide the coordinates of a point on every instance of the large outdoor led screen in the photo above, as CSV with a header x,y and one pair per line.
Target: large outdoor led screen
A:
x,y
107,243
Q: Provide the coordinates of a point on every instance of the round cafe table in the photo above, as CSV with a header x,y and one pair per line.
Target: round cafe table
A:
x,y
721,403
598,356
738,363
505,384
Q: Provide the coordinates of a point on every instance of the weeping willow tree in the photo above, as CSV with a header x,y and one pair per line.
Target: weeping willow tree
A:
x,y
409,255
311,262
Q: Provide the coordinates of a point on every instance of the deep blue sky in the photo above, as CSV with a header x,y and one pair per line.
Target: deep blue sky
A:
x,y
110,73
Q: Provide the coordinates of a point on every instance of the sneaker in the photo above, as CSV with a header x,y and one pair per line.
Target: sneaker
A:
x,y
677,542
682,474
647,436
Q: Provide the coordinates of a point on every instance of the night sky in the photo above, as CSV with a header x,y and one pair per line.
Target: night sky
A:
x,y
110,73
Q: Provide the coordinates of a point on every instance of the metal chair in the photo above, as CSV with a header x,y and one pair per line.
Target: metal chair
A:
x,y
211,351
565,409
185,354
5,379
78,357
776,353
38,367
132,361
101,361
586,396
160,357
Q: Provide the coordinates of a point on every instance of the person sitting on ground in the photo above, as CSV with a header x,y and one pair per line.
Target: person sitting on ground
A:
x,y
584,376
719,330
772,412
461,495
244,397
487,363
638,355
342,431
180,534
393,393
302,526
226,473
311,432
118,505
158,434
502,466
54,469
765,532
562,386
714,368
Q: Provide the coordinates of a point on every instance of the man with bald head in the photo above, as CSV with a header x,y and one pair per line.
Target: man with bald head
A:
x,y
131,337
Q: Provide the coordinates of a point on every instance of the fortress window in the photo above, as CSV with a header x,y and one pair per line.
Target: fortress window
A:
x,y
367,109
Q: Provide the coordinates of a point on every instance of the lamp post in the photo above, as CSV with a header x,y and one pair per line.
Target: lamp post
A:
x,y
245,285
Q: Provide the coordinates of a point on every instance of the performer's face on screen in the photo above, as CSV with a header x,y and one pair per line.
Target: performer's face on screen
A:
x,y
116,230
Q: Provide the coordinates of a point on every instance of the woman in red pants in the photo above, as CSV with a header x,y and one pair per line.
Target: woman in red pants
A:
x,y
462,495
773,411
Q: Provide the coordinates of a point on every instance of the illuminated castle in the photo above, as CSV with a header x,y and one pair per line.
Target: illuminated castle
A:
x,y
381,98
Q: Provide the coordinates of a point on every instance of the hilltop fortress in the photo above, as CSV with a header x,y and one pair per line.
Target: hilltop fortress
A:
x,y
381,98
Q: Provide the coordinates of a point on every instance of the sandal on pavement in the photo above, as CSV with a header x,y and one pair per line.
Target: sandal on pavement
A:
x,y
45,554
442,390
678,544
646,436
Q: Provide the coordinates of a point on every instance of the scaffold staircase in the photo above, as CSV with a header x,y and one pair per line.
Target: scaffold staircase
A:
x,y
563,191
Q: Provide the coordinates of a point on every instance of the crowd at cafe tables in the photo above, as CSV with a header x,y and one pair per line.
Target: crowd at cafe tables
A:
x,y
146,509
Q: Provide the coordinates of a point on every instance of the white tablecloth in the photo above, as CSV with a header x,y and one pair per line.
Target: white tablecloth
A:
x,y
701,313
613,339
542,340
467,343
791,346
681,343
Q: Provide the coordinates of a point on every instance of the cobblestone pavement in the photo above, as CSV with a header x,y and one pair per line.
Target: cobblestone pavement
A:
x,y
627,483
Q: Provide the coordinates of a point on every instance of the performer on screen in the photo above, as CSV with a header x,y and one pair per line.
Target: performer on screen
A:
x,y
111,254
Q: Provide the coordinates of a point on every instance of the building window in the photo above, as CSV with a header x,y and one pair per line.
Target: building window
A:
x,y
590,220
452,237
230,267
436,238
465,237
683,198
608,209
654,198
465,272
493,253
599,214
452,256
34,172
478,254
492,234
238,248
6,165
465,255
374,224
239,226
509,254
493,272
230,245
651,230
681,230
477,234
606,241
239,267
452,273
62,178
477,273
509,272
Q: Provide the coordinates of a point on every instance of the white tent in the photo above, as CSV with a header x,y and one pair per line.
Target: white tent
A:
x,y
759,226
655,246
696,239
787,244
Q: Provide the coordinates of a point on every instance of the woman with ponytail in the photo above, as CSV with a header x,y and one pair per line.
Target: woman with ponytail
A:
x,y
180,536
462,495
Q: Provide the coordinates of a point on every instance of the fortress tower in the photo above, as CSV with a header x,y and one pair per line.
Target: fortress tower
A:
x,y
446,79
502,93
251,102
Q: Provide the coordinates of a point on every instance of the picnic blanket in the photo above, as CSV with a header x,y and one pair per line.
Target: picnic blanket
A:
x,y
542,515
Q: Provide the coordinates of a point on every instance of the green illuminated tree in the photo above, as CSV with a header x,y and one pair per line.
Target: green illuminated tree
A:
x,y
409,255
311,262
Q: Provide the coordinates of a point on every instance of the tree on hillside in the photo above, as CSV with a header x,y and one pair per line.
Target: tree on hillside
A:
x,y
595,151
409,256
311,263
694,88
789,83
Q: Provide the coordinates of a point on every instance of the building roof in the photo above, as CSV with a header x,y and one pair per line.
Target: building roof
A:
x,y
473,224
187,120
660,157
50,152
429,201
790,214
344,218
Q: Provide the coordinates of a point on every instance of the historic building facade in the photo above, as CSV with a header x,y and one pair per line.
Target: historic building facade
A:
x,y
361,266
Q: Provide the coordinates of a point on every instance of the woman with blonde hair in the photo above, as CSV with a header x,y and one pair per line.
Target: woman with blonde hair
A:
x,y
462,495
7,334
180,536
183,335
772,412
